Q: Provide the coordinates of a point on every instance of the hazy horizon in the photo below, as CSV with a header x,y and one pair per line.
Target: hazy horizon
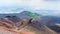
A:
x,y
17,6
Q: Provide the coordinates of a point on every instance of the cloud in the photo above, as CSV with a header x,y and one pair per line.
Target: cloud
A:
x,y
29,5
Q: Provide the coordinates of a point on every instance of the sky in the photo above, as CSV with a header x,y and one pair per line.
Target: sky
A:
x,y
16,6
31,4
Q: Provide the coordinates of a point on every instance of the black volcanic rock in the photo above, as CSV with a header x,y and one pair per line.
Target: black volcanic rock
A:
x,y
14,19
50,21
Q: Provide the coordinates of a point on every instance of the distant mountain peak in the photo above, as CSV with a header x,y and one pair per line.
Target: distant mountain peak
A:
x,y
31,14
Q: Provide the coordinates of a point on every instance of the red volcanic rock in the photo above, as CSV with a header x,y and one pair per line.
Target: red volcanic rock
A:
x,y
9,27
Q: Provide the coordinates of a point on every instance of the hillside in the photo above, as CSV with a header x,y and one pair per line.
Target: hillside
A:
x,y
23,20
50,21
26,25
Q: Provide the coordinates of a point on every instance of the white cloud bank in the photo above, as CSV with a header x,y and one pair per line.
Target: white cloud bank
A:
x,y
29,4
